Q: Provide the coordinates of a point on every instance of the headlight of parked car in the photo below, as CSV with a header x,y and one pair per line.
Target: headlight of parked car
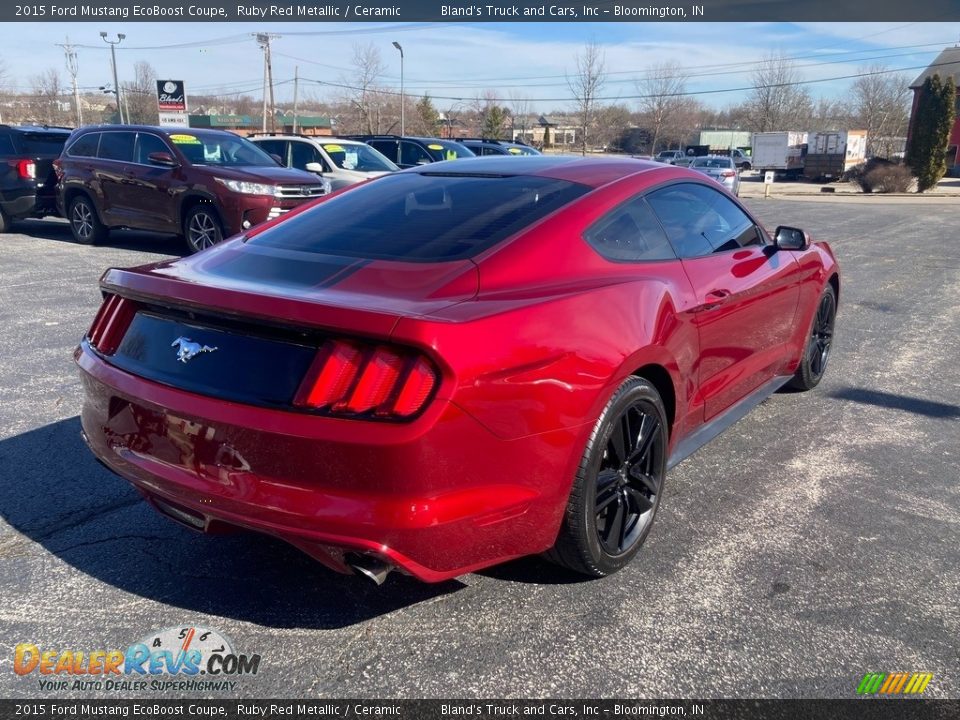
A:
x,y
249,188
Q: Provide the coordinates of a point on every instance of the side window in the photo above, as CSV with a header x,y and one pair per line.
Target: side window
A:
x,y
387,147
630,232
117,146
85,145
302,153
146,144
275,147
411,154
700,220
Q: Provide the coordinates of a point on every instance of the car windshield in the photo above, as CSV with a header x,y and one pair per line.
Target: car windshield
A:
x,y
446,150
420,217
214,148
358,157
521,150
713,162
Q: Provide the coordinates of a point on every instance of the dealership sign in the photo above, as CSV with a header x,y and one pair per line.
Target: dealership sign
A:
x,y
172,103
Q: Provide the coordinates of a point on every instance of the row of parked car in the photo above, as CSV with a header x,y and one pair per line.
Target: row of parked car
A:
x,y
202,184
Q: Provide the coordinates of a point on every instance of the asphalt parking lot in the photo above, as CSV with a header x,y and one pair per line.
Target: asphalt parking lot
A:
x,y
813,542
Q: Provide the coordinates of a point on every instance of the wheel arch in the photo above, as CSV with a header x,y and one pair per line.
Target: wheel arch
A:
x,y
191,200
658,376
834,280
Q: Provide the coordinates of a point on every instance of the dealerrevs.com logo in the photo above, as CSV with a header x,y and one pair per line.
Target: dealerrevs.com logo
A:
x,y
180,658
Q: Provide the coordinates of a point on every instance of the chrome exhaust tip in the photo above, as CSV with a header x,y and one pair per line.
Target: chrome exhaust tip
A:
x,y
371,567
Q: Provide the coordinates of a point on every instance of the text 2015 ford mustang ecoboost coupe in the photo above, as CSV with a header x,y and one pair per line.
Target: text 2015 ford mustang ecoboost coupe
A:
x,y
455,365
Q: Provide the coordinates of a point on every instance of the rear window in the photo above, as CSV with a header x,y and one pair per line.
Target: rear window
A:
x,y
6,145
41,143
422,216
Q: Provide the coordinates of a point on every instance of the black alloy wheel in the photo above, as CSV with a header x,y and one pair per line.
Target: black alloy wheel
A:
x,y
813,365
619,484
628,489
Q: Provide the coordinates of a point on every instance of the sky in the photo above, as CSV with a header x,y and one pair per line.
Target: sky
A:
x,y
455,62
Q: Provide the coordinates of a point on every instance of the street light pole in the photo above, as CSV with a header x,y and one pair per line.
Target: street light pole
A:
x,y
402,96
113,63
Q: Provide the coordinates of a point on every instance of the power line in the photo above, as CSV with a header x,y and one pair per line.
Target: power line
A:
x,y
686,93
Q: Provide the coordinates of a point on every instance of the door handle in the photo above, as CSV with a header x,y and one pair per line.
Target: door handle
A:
x,y
714,299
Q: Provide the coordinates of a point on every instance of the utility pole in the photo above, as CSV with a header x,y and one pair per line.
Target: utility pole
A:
x,y
403,98
263,40
296,83
71,57
113,63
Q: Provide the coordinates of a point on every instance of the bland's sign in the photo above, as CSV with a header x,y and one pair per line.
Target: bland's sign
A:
x,y
171,96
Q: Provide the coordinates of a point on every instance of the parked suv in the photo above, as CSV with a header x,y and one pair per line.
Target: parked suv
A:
x,y
202,184
489,146
27,182
412,151
343,162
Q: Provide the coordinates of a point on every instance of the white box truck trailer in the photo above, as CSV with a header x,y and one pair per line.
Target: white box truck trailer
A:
x,y
782,152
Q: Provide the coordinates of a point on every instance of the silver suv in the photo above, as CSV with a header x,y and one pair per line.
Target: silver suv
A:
x,y
343,162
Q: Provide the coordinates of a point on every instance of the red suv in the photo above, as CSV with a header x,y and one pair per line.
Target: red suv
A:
x,y
202,184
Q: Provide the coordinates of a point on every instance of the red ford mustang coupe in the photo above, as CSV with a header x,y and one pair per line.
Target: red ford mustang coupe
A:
x,y
455,365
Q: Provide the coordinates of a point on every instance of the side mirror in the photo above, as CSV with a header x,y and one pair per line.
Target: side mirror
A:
x,y
277,158
163,159
314,167
790,238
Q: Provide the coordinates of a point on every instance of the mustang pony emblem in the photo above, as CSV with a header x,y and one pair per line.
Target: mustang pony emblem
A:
x,y
189,349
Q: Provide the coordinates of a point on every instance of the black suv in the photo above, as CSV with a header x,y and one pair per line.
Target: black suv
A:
x,y
412,151
489,146
28,184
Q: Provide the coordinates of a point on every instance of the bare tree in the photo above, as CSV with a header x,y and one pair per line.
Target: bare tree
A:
x,y
778,101
585,86
48,98
491,117
140,95
520,114
365,101
663,103
881,106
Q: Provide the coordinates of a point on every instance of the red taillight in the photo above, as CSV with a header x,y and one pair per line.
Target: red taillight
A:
x,y
26,169
351,378
110,323
727,173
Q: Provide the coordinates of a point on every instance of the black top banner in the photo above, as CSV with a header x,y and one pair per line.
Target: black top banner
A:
x,y
298,11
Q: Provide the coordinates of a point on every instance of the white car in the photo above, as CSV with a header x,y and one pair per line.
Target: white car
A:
x,y
343,162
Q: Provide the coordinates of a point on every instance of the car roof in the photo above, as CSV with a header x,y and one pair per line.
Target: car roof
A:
x,y
38,128
162,130
584,170
321,139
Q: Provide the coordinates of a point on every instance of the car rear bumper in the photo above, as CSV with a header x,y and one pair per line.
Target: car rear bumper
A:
x,y
20,203
437,497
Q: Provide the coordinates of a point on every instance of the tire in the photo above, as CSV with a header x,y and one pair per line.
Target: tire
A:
x,y
745,166
202,228
816,352
623,474
5,222
85,223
